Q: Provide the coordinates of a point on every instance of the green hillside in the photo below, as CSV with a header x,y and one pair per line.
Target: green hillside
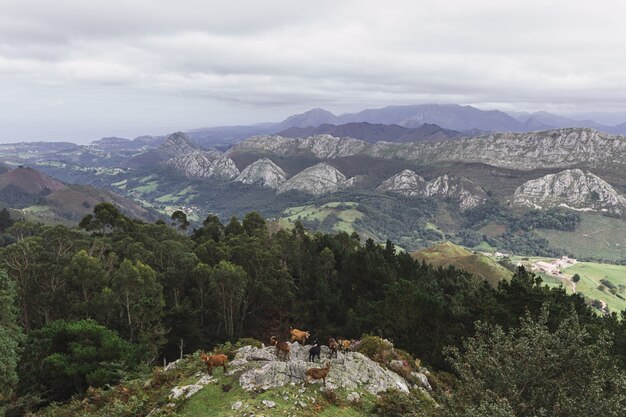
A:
x,y
481,266
151,394
596,236
596,280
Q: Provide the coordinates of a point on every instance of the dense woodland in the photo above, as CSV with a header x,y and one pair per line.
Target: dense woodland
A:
x,y
94,304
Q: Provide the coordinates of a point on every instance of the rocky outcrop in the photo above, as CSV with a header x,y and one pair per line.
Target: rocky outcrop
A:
x,y
318,179
190,161
263,172
319,146
463,190
574,189
406,182
259,368
562,148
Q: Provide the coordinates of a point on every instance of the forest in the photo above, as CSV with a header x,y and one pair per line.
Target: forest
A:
x,y
91,305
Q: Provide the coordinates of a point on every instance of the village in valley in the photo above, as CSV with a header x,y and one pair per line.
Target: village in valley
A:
x,y
554,268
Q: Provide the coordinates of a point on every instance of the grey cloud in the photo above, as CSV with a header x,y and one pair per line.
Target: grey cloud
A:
x,y
219,62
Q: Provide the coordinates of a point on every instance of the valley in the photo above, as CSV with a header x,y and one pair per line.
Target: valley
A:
x,y
473,191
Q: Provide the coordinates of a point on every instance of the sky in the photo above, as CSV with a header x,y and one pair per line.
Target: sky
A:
x,y
80,70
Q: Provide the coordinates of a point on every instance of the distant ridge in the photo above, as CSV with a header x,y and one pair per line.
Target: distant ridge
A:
x,y
372,133
47,199
30,181
467,120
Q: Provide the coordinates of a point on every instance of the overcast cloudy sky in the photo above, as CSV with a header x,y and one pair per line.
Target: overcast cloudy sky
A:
x,y
78,70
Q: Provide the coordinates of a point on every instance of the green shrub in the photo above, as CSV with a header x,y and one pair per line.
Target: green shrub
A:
x,y
441,382
393,403
249,341
376,348
229,349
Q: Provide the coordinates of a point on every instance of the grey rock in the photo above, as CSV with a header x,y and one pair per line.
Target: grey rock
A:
x,y
186,158
189,390
350,370
319,146
561,148
406,182
353,397
423,379
318,179
236,405
269,404
574,189
263,172
461,189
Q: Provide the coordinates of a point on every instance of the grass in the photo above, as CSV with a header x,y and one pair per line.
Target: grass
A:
x,y
148,188
597,237
185,195
346,213
479,265
214,401
493,229
590,275
146,178
36,209
485,247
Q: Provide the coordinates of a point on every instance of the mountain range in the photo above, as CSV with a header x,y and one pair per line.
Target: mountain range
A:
x,y
467,120
395,176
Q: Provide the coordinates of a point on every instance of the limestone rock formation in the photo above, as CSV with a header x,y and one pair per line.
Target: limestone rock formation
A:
x,y
319,179
406,182
349,370
572,188
461,189
263,172
191,161
319,146
561,148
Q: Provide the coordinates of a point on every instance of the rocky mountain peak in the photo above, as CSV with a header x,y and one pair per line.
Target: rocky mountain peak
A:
x,y
313,117
465,191
319,179
406,182
178,143
263,172
572,188
190,161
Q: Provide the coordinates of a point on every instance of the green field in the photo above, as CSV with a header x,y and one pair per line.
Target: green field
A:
x,y
149,187
590,276
346,214
120,184
183,196
597,237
